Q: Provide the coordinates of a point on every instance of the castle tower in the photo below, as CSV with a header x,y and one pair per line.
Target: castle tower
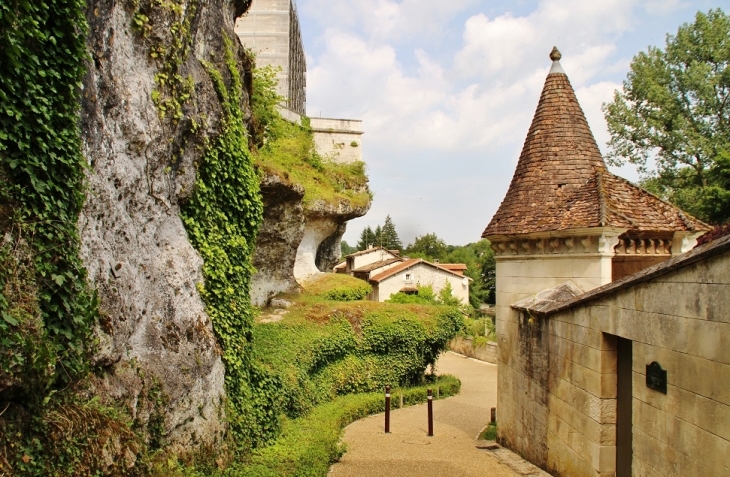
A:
x,y
566,218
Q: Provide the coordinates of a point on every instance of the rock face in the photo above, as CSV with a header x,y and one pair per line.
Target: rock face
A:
x,y
278,238
157,349
295,242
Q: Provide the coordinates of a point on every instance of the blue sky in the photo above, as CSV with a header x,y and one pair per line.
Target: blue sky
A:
x,y
447,89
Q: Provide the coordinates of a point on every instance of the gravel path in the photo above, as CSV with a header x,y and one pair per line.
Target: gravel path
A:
x,y
407,451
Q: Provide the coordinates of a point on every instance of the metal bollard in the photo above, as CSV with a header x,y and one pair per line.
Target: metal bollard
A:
x,y
387,409
401,401
430,413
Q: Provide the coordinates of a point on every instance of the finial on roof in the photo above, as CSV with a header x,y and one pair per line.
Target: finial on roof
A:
x,y
555,56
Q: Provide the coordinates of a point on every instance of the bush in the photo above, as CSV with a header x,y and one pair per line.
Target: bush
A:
x,y
348,348
337,287
309,445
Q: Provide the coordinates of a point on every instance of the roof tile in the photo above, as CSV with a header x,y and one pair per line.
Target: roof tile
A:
x,y
561,181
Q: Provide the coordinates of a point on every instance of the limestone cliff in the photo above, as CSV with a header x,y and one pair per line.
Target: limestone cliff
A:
x,y
143,139
149,111
296,241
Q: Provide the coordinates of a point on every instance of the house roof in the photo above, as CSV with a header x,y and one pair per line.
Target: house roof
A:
x,y
701,252
367,251
453,266
405,266
376,265
561,181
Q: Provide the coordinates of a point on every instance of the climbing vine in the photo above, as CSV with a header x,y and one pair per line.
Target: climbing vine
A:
x,y
43,290
164,26
222,218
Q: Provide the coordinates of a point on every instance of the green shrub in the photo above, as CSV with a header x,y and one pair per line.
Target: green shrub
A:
x,y
337,287
351,349
359,292
481,327
424,296
310,444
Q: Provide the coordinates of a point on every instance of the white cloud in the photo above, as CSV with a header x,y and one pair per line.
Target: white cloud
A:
x,y
434,124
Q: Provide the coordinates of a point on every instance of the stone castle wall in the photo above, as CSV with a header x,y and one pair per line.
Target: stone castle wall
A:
x,y
558,377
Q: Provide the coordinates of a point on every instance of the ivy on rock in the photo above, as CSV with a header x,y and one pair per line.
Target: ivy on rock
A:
x,y
42,50
222,218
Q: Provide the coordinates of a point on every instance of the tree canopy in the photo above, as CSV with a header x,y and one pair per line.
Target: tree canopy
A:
x,y
674,111
389,237
385,236
428,247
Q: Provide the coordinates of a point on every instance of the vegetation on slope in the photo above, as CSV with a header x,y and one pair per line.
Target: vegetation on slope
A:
x,y
325,364
338,287
287,150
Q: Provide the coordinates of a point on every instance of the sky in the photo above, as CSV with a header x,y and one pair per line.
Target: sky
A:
x,y
447,90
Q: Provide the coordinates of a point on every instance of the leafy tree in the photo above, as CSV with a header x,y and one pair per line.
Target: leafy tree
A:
x,y
446,295
389,237
367,238
675,108
346,249
428,247
479,259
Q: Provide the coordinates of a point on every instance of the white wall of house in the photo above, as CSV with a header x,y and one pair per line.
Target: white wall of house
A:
x,y
376,255
423,275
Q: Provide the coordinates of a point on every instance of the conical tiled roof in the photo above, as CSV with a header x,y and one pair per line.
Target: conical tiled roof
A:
x,y
561,181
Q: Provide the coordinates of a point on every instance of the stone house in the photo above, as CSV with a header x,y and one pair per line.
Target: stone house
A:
x,y
388,273
567,226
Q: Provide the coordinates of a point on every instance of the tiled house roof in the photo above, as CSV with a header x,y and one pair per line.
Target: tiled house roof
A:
x,y
561,181
369,250
376,265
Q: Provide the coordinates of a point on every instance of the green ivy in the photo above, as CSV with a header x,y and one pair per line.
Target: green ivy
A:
x,y
42,52
222,218
353,351
168,51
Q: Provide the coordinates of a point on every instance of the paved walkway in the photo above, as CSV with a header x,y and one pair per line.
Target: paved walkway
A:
x,y
407,451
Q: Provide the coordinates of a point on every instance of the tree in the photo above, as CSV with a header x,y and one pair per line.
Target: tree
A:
x,y
346,249
367,238
428,247
389,237
675,108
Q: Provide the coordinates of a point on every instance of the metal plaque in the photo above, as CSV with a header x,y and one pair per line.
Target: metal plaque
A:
x,y
656,377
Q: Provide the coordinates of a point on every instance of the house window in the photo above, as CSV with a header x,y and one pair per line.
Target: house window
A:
x,y
408,277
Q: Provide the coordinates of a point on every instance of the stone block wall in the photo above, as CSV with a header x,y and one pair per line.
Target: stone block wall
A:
x,y
560,412
339,140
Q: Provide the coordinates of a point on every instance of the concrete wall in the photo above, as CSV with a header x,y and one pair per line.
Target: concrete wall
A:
x,y
423,275
271,29
557,378
339,140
